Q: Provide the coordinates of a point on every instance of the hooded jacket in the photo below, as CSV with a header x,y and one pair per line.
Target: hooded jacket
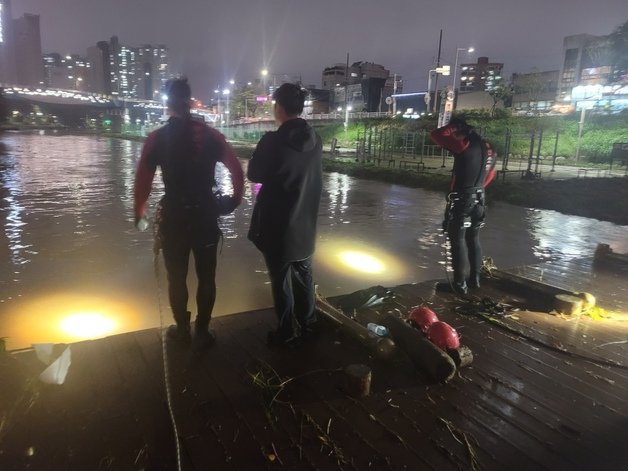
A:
x,y
287,163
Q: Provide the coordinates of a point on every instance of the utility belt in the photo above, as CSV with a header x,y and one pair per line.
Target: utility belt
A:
x,y
473,195
184,204
466,198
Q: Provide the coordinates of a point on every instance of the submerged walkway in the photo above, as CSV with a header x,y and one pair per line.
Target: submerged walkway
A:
x,y
522,404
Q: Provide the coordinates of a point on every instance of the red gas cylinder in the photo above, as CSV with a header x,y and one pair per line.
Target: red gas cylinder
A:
x,y
422,317
443,335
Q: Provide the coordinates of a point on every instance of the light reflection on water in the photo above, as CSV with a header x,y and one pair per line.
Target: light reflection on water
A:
x,y
69,247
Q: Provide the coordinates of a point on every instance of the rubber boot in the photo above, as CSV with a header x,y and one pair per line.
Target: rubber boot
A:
x,y
203,338
474,281
181,330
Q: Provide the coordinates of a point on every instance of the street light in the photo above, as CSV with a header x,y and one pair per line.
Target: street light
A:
x,y
347,109
444,70
227,93
264,75
458,49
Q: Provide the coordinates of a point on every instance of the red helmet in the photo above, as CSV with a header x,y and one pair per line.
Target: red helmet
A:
x,y
443,335
422,317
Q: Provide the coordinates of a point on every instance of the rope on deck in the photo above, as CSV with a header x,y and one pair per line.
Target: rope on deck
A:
x,y
164,354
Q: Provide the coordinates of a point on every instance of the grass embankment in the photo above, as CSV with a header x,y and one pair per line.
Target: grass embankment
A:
x,y
559,133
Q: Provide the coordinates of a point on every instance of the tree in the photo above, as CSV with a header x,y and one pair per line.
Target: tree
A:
x,y
244,103
500,92
618,46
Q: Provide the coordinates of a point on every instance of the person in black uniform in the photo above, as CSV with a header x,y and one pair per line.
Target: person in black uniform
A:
x,y
287,163
187,150
474,168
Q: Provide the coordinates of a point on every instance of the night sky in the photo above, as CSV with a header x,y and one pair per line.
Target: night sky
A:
x,y
214,41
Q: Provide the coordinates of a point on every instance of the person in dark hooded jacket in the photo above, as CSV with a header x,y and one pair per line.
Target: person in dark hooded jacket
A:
x,y
287,163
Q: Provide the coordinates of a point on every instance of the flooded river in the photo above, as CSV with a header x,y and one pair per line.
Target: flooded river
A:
x,y
74,267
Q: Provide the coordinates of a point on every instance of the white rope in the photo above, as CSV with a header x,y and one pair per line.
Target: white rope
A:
x,y
164,354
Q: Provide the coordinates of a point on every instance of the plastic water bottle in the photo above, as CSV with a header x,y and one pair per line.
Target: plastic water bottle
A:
x,y
142,224
377,329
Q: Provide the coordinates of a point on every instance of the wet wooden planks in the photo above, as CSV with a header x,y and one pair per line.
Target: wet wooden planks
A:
x,y
521,405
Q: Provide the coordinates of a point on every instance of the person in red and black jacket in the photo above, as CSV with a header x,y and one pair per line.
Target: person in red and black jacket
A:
x,y
474,169
187,151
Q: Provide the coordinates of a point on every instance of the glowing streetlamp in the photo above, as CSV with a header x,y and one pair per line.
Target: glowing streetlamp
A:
x,y
347,109
467,50
444,70
264,75
226,92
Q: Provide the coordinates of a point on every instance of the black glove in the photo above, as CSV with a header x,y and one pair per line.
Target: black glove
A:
x,y
226,204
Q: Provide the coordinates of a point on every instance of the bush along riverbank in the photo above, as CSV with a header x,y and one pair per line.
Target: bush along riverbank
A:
x,y
605,199
557,135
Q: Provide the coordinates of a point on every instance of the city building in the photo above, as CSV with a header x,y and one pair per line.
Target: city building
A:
x,y
98,57
317,101
481,76
129,72
364,86
7,53
151,71
27,47
70,72
534,92
585,62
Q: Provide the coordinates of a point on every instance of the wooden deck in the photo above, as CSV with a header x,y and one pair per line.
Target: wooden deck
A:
x,y
531,400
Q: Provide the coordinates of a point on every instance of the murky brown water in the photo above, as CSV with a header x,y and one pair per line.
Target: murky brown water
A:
x,y
74,267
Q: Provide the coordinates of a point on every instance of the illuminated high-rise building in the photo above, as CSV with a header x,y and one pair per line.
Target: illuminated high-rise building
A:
x,y
27,47
8,73
98,57
152,71
128,72
70,72
481,76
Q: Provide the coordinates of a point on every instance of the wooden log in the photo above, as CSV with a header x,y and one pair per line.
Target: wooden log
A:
x,y
568,304
588,300
527,283
462,356
424,354
358,380
605,258
383,347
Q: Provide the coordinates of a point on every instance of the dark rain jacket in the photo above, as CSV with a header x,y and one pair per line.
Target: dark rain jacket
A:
x,y
287,163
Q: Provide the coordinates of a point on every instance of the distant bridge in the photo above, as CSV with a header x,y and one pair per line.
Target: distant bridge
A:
x,y
73,108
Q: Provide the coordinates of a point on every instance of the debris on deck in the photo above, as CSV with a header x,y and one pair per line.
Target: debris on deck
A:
x,y
543,390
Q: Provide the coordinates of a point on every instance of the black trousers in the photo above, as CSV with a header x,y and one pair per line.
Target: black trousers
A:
x,y
293,294
465,221
183,231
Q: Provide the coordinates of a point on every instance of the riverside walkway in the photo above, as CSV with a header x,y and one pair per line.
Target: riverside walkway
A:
x,y
543,392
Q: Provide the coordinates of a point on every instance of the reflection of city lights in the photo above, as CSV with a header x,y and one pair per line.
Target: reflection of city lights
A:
x,y
362,262
87,325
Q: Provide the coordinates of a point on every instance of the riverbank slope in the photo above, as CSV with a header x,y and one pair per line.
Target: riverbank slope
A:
x,y
605,199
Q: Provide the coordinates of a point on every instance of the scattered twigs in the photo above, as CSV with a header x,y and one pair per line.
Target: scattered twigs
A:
x,y
465,439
